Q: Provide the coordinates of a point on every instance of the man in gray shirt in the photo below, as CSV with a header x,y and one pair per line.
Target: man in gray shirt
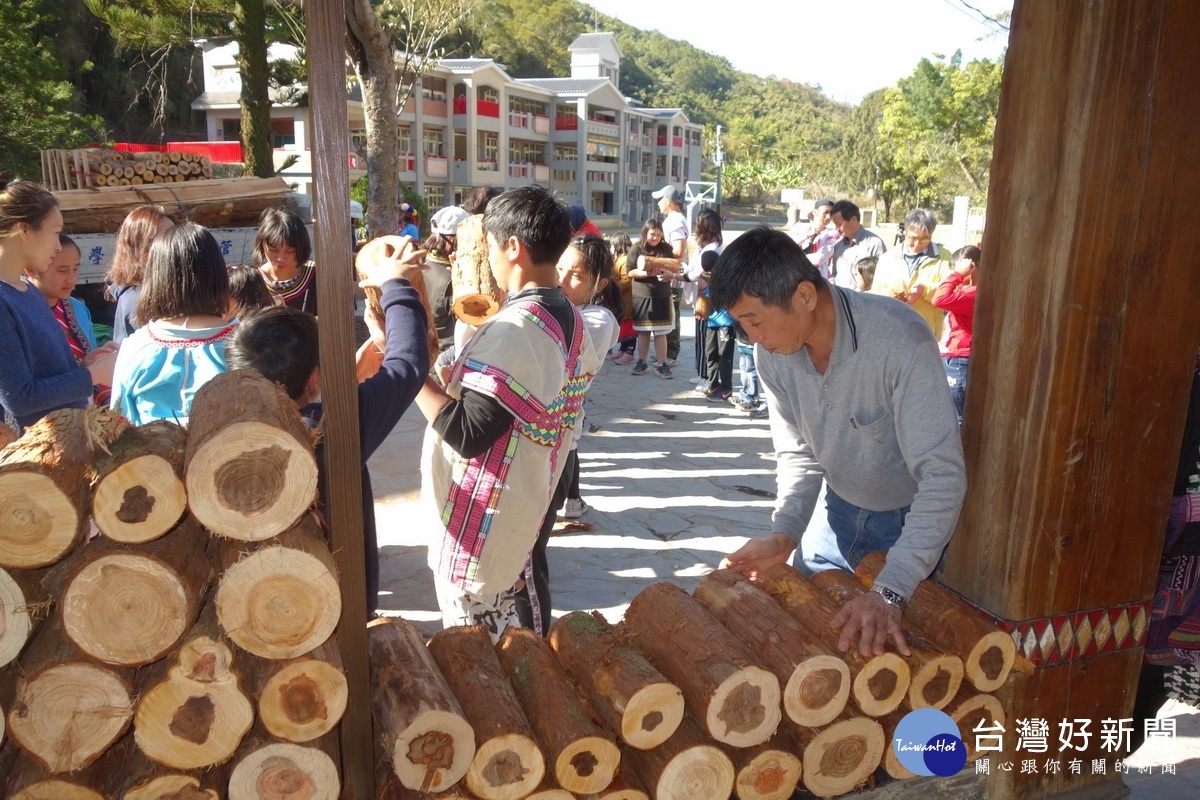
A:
x,y
855,244
859,399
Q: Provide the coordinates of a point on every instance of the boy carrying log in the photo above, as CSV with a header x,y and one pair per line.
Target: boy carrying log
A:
x,y
281,343
501,430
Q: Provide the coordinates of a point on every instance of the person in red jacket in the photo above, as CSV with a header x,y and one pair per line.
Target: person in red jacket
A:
x,y
956,296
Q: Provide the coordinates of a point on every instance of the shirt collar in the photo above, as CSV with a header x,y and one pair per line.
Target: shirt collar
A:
x,y
845,337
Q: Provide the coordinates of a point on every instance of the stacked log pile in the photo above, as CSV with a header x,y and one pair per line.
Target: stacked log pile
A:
x,y
738,691
95,167
180,652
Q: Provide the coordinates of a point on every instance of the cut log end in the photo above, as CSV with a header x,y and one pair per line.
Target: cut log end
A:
x,y
881,685
250,481
303,701
425,757
990,661
936,683
171,787
285,772
69,714
745,708
279,602
126,609
474,309
139,501
843,756
652,715
16,622
38,522
771,775
697,773
977,712
587,765
817,691
507,767
57,790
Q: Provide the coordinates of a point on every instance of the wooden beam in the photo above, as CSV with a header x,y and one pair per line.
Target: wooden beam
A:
x,y
1085,335
343,461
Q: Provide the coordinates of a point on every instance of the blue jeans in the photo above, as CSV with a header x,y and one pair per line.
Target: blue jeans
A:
x,y
956,376
846,534
749,390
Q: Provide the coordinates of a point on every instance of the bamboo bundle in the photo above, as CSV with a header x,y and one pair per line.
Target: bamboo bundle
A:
x,y
65,170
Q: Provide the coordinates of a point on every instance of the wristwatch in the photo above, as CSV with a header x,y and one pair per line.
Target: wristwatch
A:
x,y
891,598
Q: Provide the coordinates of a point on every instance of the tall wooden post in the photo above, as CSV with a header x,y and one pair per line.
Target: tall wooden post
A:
x,y
1086,331
326,23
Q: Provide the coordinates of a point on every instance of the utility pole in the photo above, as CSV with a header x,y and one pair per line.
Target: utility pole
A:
x,y
719,158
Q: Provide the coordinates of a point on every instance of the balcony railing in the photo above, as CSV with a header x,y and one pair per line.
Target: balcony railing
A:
x,y
436,166
537,172
648,140
541,123
566,123
541,172
676,141
487,108
487,164
433,108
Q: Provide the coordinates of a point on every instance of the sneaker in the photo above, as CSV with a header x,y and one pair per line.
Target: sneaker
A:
x,y
741,404
623,358
701,390
762,412
664,371
672,362
573,509
612,355
720,396
639,368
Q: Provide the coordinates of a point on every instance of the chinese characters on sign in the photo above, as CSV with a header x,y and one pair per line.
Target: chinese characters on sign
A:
x,y
1033,737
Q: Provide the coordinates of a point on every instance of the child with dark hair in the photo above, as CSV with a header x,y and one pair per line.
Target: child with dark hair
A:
x,y
864,272
181,344
956,296
653,309
248,291
127,270
501,430
283,253
282,344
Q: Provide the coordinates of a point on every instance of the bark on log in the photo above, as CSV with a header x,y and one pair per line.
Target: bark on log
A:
x,y
65,713
508,765
737,701
424,733
476,293
685,767
583,757
656,264
7,436
138,493
283,599
879,684
129,605
196,714
625,786
628,694
125,772
23,605
988,653
816,682
976,714
385,248
769,771
936,674
44,490
301,699
840,757
249,468
279,770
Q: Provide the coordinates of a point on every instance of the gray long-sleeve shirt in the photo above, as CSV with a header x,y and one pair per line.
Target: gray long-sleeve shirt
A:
x,y
879,424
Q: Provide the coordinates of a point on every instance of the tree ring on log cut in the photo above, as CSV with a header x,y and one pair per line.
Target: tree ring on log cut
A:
x,y
507,767
981,709
126,609
16,622
69,714
304,700
770,775
842,756
882,684
424,753
285,771
139,501
173,714
652,715
171,787
38,523
249,482
698,773
817,691
57,790
587,765
279,603
746,708
990,661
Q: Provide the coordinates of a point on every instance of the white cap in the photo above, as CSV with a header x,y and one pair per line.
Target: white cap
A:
x,y
356,210
446,220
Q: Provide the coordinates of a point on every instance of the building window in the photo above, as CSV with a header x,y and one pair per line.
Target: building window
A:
x,y
435,195
566,152
231,130
433,142
489,94
405,139
433,88
522,152
604,150
489,145
564,175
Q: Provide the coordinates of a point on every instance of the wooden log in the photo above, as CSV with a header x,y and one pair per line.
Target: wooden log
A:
x,y
974,712
385,248
656,265
424,733
508,765
988,653
125,772
879,684
138,493
936,674
476,294
277,770
816,682
626,785
131,604
582,756
7,436
630,696
769,771
171,787
685,767
43,490
891,762
840,757
193,712
301,699
249,466
23,605
66,712
175,156
737,701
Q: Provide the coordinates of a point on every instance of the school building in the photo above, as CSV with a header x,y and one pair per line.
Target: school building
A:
x,y
469,123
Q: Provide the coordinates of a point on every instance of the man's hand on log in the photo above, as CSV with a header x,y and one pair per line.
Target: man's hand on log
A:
x,y
759,553
873,621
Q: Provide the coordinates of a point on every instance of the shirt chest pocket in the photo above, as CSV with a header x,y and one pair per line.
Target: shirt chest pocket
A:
x,y
875,428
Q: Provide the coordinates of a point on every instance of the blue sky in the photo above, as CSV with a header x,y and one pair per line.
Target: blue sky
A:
x,y
849,49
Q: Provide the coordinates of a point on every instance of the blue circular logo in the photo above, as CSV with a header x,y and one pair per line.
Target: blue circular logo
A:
x,y
927,742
